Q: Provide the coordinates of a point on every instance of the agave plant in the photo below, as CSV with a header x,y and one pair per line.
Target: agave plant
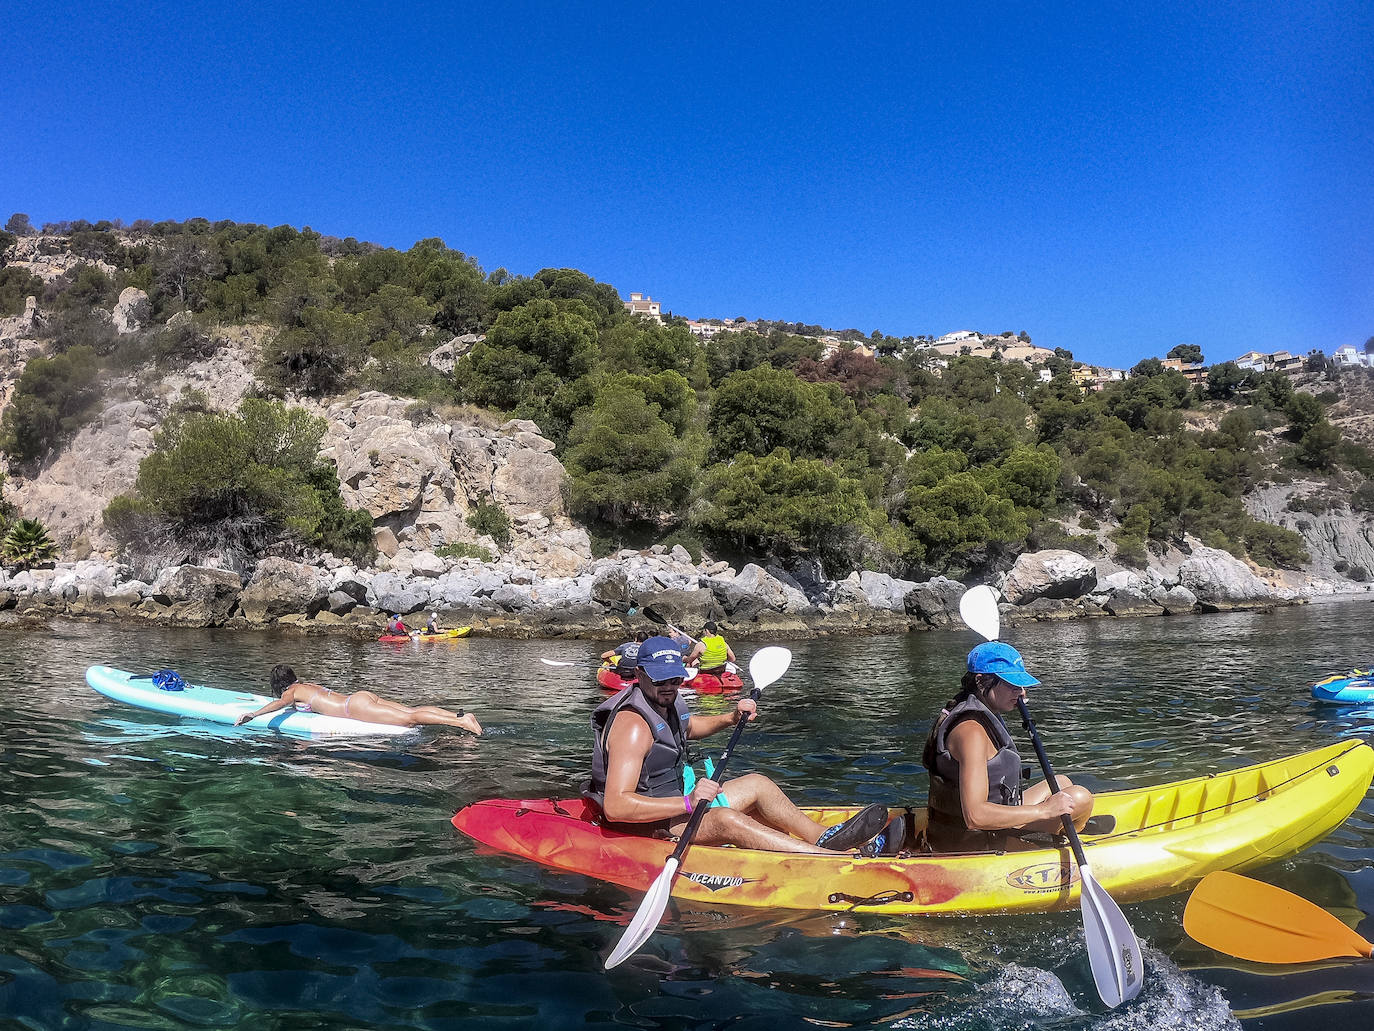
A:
x,y
27,544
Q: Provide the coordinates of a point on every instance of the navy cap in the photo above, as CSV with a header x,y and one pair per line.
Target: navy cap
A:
x,y
661,659
1001,660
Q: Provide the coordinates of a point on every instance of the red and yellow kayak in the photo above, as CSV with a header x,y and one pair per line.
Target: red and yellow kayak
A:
x,y
443,635
1165,839
610,680
716,683
703,683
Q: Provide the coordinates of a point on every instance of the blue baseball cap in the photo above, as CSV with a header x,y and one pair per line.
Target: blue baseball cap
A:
x,y
661,659
1001,660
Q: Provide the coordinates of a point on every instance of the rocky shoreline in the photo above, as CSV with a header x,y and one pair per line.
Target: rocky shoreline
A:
x,y
507,599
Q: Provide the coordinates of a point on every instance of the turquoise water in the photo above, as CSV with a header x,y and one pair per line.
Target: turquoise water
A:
x,y
162,874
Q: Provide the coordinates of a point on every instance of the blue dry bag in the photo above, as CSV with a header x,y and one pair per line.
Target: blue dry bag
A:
x,y
168,680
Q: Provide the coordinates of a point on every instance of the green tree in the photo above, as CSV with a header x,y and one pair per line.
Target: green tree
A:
x,y
452,283
527,354
624,462
1320,445
955,522
777,505
763,409
16,286
1304,411
318,354
1189,354
53,397
238,483
19,225
1224,381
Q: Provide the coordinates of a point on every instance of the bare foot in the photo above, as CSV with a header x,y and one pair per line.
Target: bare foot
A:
x,y
469,722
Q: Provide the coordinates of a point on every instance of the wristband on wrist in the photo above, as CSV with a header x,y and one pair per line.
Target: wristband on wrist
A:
x,y
687,802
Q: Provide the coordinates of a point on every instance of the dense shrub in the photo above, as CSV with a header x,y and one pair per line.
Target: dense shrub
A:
x,y
462,549
52,399
491,519
233,484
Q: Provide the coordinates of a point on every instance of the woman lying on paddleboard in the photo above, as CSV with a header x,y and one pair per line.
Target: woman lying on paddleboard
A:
x,y
362,705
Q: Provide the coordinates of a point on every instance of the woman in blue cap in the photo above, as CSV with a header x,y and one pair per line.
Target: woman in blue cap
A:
x,y
976,800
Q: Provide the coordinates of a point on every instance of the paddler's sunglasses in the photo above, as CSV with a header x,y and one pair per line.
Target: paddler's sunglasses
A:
x,y
671,681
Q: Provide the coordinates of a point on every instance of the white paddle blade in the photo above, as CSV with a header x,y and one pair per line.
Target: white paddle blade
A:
x,y
768,664
555,662
646,918
978,610
1113,951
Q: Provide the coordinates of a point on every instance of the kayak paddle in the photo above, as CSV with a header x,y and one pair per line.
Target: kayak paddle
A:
x,y
767,665
1252,920
653,616
1113,950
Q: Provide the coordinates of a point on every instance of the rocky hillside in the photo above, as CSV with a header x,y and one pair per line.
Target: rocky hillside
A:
x,y
425,473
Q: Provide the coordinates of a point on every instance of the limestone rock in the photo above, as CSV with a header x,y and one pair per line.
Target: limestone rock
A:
x,y
280,587
1130,601
1220,580
1048,574
201,595
884,592
392,592
935,602
132,312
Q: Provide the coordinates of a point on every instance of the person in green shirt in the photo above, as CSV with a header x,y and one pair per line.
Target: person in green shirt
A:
x,y
711,653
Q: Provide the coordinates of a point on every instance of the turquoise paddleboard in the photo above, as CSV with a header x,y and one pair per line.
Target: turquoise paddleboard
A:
x,y
217,706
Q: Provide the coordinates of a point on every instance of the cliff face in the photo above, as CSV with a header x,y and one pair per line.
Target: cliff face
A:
x,y
1340,541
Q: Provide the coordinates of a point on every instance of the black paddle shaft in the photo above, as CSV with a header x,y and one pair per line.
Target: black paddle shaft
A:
x,y
695,819
1050,779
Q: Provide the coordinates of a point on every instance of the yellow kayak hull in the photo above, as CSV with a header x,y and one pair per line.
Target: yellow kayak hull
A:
x,y
1165,840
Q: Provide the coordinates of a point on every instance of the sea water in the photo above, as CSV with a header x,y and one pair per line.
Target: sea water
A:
x,y
163,873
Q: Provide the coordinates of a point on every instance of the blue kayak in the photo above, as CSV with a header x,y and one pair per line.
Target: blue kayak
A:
x,y
1355,686
218,706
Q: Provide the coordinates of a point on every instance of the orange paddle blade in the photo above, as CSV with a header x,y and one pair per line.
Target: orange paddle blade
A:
x,y
1253,920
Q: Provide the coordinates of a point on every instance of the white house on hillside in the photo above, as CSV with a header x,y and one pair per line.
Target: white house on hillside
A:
x,y
638,304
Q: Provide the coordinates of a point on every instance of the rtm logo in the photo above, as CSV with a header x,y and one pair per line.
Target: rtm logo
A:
x,y
1128,964
1043,877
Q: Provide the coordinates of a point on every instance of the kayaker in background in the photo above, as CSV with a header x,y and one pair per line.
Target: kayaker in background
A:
x,y
625,654
711,653
432,627
361,705
395,627
976,801
639,755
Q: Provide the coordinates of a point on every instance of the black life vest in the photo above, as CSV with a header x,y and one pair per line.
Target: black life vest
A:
x,y
946,830
661,774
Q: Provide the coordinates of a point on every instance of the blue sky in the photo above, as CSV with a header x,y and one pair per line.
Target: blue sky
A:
x,y
1113,178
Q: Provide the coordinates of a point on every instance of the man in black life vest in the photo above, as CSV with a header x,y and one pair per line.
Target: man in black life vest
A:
x,y
976,802
639,755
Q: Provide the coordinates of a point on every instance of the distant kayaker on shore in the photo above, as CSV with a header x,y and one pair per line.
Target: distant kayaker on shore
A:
x,y
432,627
361,705
639,754
396,627
976,802
711,653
